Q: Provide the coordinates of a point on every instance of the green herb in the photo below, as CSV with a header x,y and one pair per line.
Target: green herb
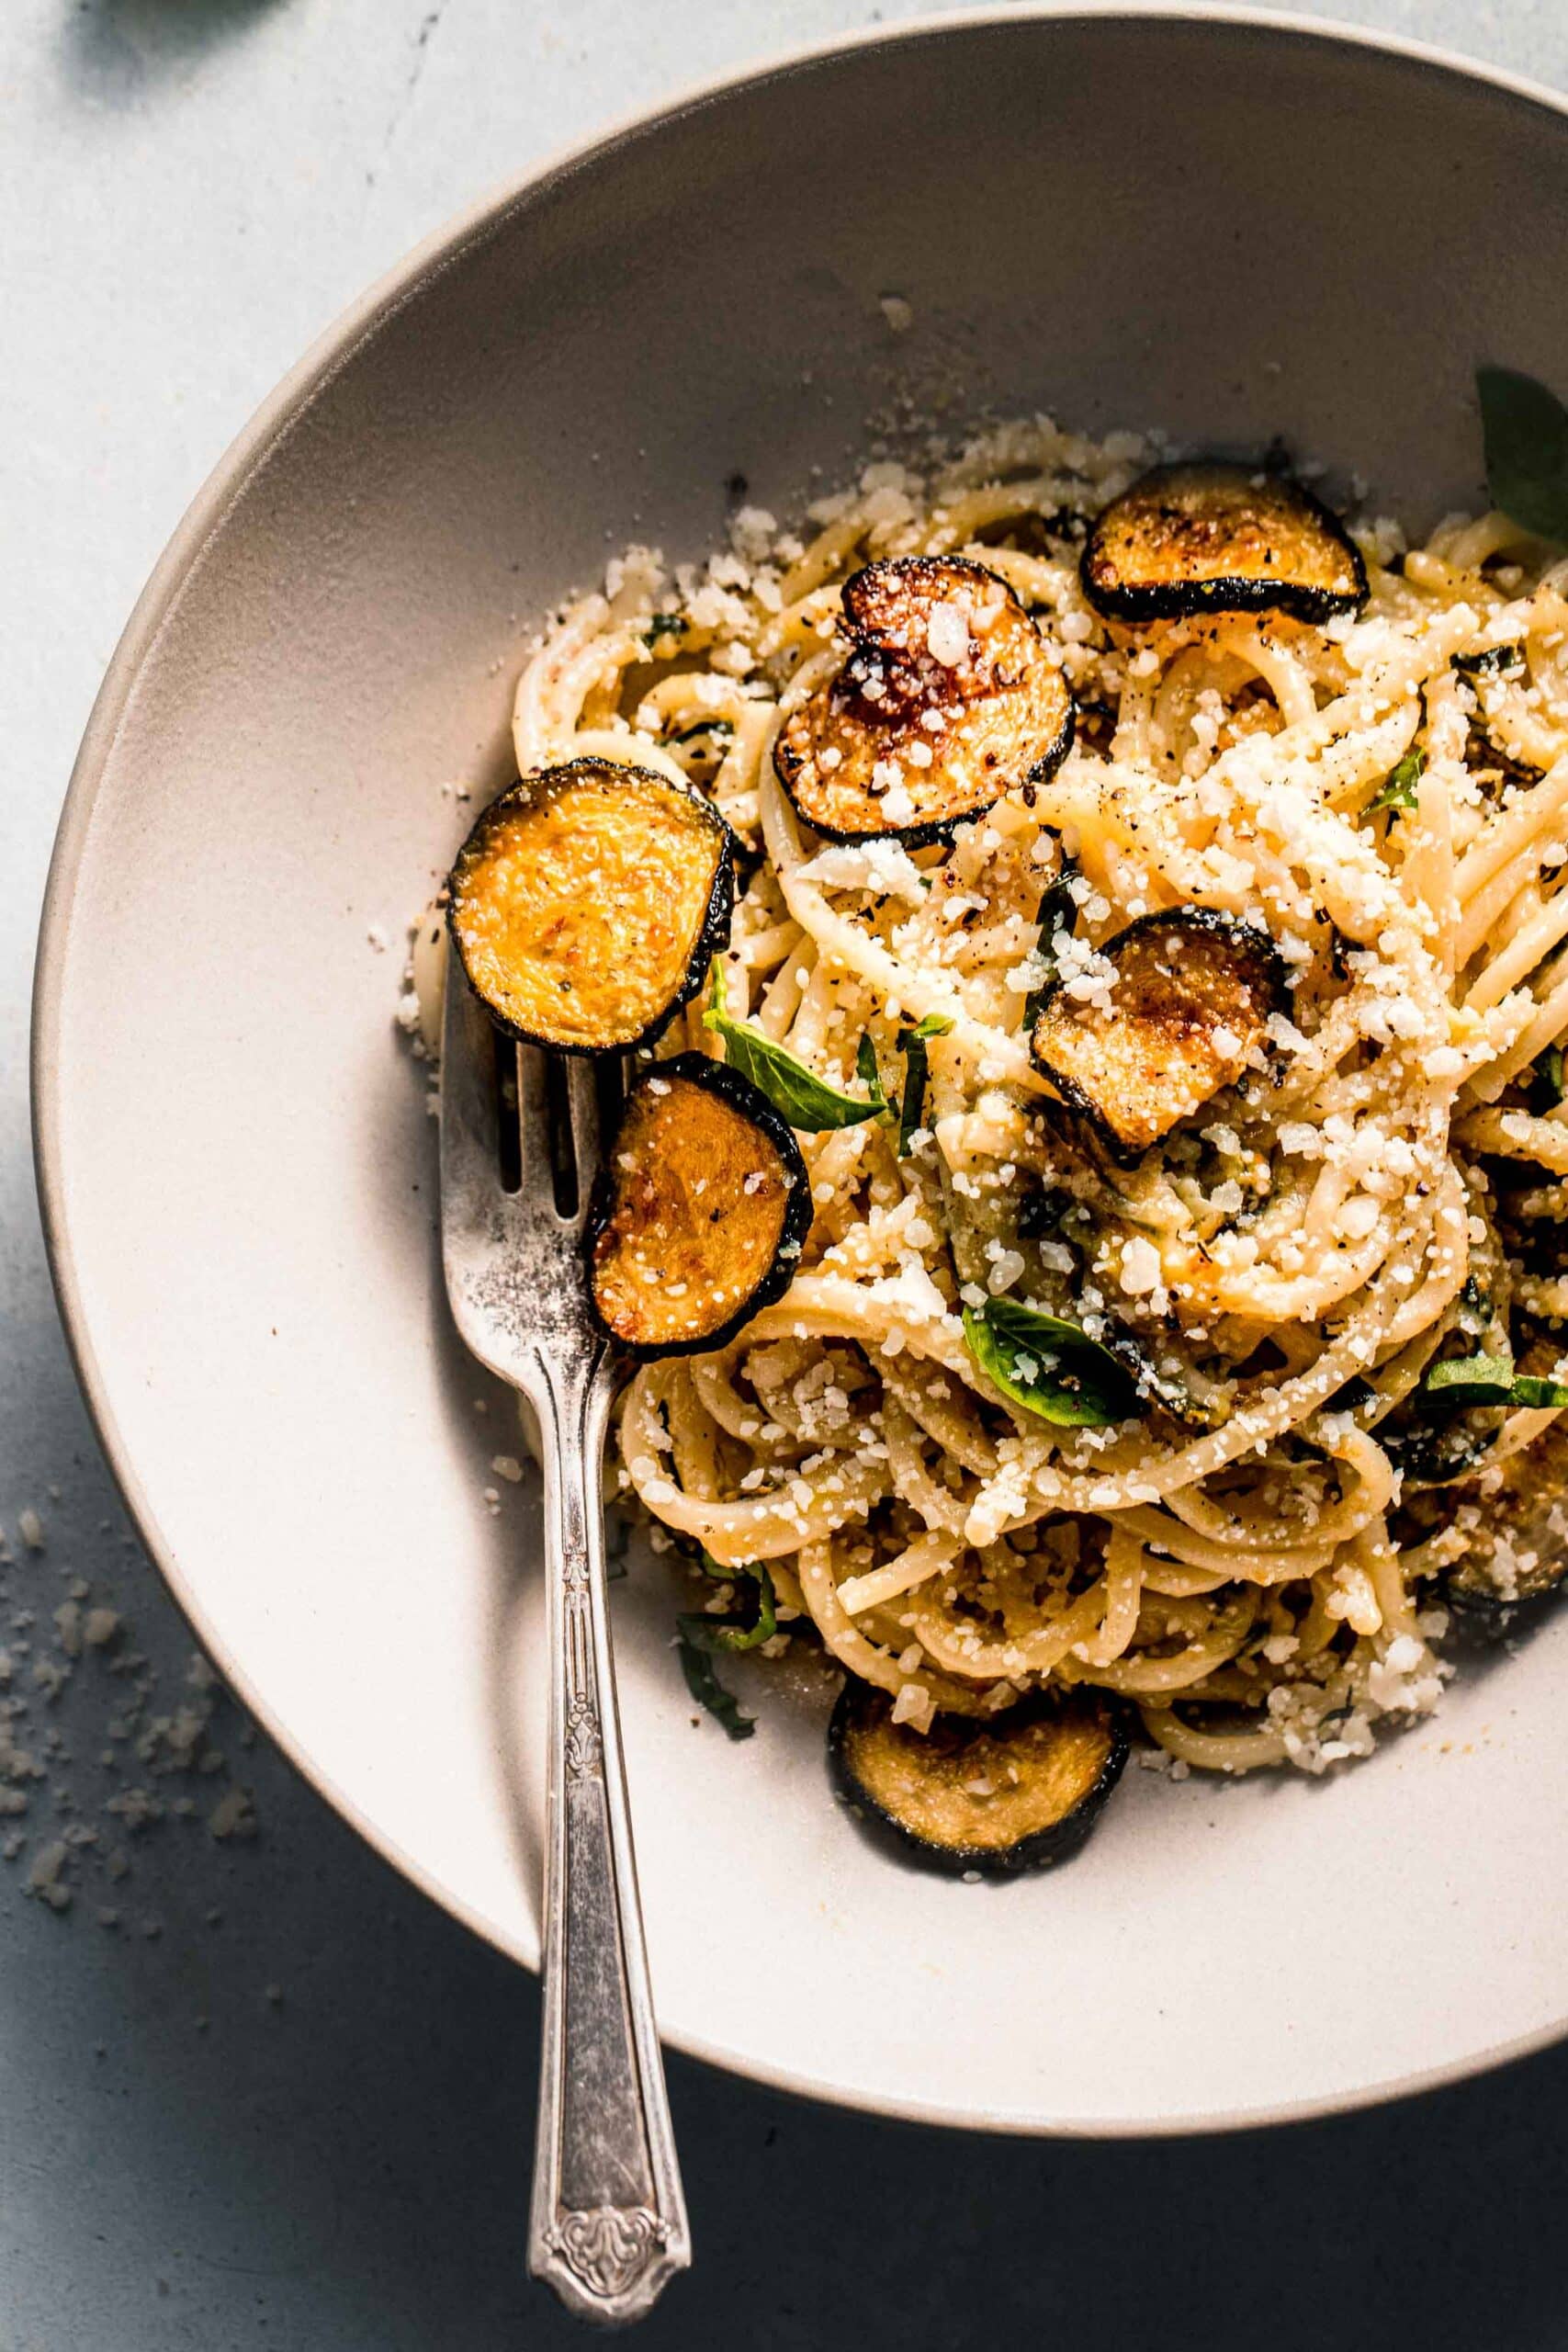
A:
x,y
1524,433
1059,911
1545,1088
1461,1381
1049,1366
1398,789
741,1629
1493,661
709,1691
690,735
664,625
807,1101
912,1046
870,1076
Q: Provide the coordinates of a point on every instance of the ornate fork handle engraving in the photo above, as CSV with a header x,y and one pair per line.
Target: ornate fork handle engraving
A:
x,y
610,2247
608,2225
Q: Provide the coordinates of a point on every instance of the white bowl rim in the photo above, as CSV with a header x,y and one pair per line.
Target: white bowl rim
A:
x,y
270,424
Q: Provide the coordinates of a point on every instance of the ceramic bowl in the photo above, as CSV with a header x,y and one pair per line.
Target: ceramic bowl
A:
x,y
1228,226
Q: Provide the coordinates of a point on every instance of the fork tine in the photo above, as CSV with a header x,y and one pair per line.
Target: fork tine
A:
x,y
532,1117
469,1141
582,1093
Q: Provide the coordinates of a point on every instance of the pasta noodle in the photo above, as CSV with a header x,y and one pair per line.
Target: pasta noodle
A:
x,y
1295,1258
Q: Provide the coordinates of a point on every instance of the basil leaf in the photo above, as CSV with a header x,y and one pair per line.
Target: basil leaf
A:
x,y
912,1046
1059,911
1528,1389
709,1691
1398,789
1049,1366
1525,434
1493,661
1460,1381
870,1076
807,1101
735,1630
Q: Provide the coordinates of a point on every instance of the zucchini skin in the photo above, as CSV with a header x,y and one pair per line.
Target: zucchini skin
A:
x,y
738,1091
1245,937
1041,1850
713,935
926,832
1190,599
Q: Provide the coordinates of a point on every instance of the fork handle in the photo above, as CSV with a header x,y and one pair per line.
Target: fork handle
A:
x,y
608,2222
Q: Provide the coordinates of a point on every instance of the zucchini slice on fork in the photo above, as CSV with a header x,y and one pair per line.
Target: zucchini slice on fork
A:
x,y
946,699
1019,1792
1213,537
702,1206
587,903
1191,997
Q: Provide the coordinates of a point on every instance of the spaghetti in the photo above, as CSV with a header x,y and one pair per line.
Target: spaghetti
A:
x,y
1386,795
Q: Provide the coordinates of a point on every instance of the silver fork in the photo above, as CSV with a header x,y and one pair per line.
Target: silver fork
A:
x,y
607,2226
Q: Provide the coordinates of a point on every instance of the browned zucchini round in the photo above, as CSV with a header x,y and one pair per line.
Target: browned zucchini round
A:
x,y
1190,1002
1518,1553
1213,538
1018,1793
946,699
587,903
702,1207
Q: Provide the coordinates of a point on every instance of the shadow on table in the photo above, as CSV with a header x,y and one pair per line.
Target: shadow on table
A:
x,y
112,49
393,2121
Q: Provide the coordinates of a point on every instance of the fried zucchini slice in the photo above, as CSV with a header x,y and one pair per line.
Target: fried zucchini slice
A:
x,y
947,697
1018,1793
587,903
1213,537
1192,998
701,1208
1518,1552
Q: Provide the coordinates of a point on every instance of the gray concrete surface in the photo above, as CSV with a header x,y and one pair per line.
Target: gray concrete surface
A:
x,y
304,2121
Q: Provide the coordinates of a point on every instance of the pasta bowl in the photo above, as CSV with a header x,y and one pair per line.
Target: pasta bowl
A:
x,y
998,214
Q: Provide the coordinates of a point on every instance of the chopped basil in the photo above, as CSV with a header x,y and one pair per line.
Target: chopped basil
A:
x,y
1461,1381
664,625
1398,789
709,1691
1524,433
1493,661
912,1046
807,1101
869,1075
741,1629
1049,1366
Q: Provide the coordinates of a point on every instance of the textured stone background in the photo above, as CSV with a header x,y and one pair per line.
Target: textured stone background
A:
x,y
305,2122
